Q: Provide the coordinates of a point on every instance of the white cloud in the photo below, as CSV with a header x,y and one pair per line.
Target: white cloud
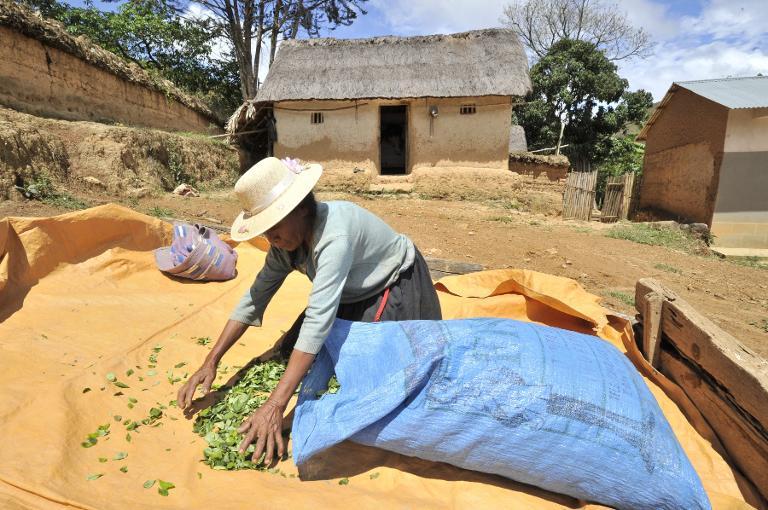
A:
x,y
409,17
726,39
674,62
730,18
652,17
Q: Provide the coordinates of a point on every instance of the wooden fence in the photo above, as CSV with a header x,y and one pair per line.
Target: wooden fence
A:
x,y
579,195
618,197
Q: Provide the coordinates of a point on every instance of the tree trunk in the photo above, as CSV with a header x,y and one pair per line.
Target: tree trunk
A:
x,y
241,43
560,136
259,38
248,22
296,20
276,24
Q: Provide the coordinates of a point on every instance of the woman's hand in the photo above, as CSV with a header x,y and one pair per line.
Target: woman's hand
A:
x,y
204,376
265,426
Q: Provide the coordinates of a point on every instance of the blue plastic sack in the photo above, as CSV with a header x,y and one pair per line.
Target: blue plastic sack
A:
x,y
544,406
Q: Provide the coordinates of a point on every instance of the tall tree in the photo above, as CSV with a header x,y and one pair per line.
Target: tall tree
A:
x,y
248,24
578,98
541,23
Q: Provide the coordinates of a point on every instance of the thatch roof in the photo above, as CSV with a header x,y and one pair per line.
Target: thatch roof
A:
x,y
487,62
517,140
249,116
54,34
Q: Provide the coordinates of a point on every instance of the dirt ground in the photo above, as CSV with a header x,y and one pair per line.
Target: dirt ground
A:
x,y
734,297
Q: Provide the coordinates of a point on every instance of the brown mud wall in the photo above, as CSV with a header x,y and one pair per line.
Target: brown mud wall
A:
x,y
553,168
43,80
349,136
683,152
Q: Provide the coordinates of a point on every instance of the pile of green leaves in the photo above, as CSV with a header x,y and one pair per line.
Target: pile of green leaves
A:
x,y
333,387
218,424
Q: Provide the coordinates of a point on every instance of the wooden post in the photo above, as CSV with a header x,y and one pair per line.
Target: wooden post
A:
x,y
652,305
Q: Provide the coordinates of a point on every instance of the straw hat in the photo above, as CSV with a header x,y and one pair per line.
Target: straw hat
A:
x,y
270,190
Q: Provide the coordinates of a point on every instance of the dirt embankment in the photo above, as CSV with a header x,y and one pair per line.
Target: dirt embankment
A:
x,y
535,194
114,160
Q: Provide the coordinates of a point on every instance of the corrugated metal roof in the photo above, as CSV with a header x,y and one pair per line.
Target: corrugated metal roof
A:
x,y
749,92
732,93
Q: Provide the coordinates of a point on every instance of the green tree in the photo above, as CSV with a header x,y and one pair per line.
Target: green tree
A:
x,y
579,100
620,154
156,35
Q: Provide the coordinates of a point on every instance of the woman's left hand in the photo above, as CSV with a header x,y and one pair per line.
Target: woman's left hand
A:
x,y
265,427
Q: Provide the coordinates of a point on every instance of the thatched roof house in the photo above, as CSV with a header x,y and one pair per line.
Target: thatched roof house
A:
x,y
390,104
109,87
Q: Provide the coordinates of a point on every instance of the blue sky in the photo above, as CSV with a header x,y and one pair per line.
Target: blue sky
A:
x,y
694,39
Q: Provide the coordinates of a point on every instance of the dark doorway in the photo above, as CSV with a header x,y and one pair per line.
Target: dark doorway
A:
x,y
394,126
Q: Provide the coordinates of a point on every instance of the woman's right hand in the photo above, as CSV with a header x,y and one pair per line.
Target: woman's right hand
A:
x,y
204,377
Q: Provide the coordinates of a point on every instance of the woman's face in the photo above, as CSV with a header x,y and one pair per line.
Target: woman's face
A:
x,y
290,232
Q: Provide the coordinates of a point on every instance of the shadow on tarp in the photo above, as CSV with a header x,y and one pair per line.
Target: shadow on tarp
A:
x,y
349,459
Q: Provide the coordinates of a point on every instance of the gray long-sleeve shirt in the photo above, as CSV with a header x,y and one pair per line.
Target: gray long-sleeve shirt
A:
x,y
354,256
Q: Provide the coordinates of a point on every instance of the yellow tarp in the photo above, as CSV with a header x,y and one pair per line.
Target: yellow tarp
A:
x,y
80,297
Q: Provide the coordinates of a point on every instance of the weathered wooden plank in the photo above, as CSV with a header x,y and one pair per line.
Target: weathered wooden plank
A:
x,y
629,192
720,355
652,307
726,381
746,444
579,194
614,196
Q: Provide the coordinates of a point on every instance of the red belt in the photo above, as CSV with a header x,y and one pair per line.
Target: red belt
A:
x,y
380,311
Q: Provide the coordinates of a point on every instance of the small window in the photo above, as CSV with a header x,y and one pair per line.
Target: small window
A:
x,y
467,109
317,117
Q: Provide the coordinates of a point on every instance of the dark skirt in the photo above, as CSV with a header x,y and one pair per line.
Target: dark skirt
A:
x,y
411,297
